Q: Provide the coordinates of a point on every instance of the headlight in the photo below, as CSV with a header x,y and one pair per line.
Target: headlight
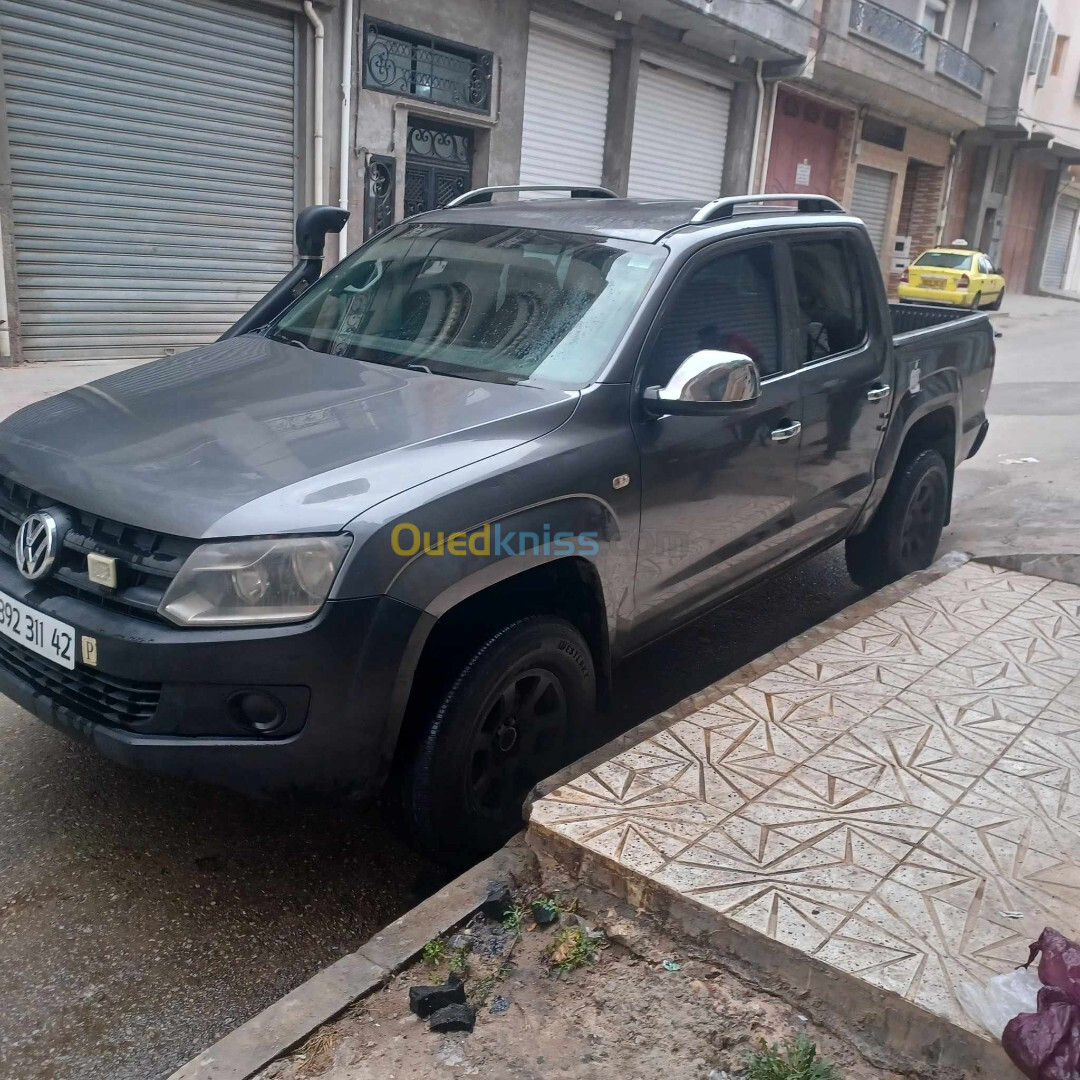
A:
x,y
255,581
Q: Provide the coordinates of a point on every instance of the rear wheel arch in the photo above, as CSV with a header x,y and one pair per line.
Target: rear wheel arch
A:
x,y
937,430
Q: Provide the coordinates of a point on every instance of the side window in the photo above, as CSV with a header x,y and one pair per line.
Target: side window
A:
x,y
729,303
832,298
985,266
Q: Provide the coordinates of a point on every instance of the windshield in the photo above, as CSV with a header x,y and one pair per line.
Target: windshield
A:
x,y
945,260
488,302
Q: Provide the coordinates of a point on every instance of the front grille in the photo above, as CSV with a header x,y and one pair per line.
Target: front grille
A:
x,y
107,699
146,561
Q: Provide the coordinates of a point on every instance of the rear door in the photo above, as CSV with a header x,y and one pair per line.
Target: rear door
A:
x,y
717,492
841,349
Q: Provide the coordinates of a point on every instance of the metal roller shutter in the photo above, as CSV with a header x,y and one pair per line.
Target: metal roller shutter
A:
x,y
566,102
1062,231
152,155
680,132
872,201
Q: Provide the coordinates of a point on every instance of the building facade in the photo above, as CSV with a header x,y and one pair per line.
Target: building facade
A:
x,y
1017,198
155,151
875,116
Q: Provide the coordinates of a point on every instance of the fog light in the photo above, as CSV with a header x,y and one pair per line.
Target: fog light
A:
x,y
257,710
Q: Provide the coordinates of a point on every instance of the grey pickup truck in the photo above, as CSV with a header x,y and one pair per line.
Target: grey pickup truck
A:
x,y
399,528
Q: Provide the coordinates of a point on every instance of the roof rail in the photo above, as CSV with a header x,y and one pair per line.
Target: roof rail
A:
x,y
720,209
483,194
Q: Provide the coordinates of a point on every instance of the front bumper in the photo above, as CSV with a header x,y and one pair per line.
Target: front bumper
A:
x,y
337,676
935,296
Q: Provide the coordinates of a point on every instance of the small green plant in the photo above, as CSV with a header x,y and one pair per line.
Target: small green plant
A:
x,y
572,948
459,960
514,919
434,952
797,1061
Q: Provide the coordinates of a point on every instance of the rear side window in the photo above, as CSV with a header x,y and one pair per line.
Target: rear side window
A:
x,y
944,260
831,297
729,303
985,265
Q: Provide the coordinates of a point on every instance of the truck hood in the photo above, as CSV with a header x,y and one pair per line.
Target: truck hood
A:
x,y
250,437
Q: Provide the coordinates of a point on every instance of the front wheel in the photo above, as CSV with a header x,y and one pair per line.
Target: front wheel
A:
x,y
512,717
904,534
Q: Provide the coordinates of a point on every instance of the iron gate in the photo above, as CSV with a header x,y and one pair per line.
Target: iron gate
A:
x,y
438,165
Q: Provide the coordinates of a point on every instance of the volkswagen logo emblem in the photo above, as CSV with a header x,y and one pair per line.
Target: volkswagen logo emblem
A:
x,y
37,544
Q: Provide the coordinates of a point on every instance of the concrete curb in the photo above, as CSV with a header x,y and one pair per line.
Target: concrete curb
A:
x,y
288,1022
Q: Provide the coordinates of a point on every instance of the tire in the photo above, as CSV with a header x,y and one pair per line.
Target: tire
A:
x,y
996,305
904,534
513,715
976,304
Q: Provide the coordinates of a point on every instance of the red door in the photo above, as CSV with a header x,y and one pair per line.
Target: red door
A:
x,y
1021,222
805,136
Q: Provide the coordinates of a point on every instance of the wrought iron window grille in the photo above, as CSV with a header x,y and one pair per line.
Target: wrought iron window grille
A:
x,y
397,60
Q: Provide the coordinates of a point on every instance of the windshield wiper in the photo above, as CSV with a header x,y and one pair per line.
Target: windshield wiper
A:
x,y
427,371
285,339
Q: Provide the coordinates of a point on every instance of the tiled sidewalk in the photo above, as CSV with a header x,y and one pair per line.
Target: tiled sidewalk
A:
x,y
900,802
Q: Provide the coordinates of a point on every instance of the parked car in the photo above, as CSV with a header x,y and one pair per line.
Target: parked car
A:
x,y
953,275
402,534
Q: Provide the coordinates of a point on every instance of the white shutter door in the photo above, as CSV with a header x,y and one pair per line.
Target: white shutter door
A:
x,y
872,201
1059,244
152,157
680,130
566,102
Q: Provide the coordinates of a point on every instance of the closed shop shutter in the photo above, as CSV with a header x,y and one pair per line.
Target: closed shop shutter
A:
x,y
566,102
1059,245
152,156
680,130
872,201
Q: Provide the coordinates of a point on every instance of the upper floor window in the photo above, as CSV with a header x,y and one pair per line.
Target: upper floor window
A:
x,y
1042,48
401,61
935,15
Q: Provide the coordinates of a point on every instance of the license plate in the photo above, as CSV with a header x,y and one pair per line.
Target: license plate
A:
x,y
41,634
934,282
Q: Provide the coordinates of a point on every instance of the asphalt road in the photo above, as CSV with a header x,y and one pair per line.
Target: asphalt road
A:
x,y
142,918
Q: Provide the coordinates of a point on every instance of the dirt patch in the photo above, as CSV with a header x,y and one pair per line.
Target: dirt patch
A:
x,y
636,1008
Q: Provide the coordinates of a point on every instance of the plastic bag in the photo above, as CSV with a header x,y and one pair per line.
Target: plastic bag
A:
x,y
1004,996
1060,963
1045,1044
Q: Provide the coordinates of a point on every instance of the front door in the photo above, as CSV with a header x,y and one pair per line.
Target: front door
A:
x,y
717,492
846,390
438,165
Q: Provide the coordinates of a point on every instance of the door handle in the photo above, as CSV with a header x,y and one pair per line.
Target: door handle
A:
x,y
879,393
782,434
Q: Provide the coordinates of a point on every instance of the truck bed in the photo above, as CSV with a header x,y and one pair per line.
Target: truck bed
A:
x,y
952,351
910,318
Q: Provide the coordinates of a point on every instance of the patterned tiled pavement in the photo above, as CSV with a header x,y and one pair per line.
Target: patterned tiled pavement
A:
x,y
901,802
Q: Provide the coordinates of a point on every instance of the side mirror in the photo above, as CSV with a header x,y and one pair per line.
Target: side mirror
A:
x,y
707,383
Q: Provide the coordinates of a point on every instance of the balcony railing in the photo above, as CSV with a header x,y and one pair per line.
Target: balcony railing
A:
x,y
955,64
889,29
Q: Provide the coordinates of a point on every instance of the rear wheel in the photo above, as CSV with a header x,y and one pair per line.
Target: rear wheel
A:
x,y
904,534
511,717
996,305
976,304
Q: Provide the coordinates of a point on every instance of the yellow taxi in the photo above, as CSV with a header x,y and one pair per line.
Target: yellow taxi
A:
x,y
953,275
